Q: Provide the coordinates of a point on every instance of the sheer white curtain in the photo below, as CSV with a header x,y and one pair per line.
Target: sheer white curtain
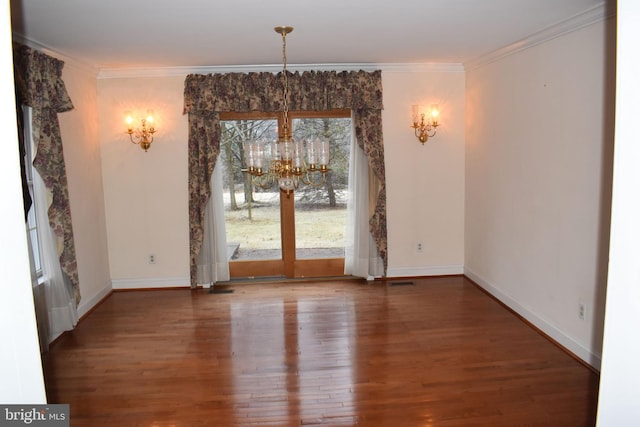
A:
x,y
361,254
213,263
61,307
58,292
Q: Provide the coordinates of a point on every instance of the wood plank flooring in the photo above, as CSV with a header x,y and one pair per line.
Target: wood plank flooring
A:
x,y
341,353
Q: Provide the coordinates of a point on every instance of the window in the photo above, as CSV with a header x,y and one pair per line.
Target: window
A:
x,y
321,210
32,223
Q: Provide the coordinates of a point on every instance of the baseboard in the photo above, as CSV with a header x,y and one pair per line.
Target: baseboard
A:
x,y
86,305
443,270
151,283
553,332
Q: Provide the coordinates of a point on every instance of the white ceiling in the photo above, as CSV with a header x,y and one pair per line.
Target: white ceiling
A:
x,y
203,33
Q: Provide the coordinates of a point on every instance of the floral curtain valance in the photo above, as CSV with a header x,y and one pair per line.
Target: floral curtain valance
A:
x,y
310,90
38,80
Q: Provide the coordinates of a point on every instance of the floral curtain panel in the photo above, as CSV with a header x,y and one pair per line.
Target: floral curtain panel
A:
x,y
204,147
207,95
39,85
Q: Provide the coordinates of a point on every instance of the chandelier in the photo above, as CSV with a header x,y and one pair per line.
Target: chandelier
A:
x,y
283,162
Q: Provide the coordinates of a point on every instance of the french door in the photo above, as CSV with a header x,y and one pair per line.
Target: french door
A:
x,y
271,233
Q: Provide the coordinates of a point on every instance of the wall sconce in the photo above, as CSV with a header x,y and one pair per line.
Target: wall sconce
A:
x,y
144,134
425,128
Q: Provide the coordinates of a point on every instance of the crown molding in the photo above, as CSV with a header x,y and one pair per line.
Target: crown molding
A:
x,y
423,67
119,73
68,61
143,72
597,13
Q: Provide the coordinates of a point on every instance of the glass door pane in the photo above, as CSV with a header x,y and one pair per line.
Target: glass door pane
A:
x,y
252,214
320,207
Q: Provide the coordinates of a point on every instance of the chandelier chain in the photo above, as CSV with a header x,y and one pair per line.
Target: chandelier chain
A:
x,y
285,84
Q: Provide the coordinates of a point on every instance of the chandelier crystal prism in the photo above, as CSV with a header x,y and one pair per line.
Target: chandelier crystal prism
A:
x,y
283,162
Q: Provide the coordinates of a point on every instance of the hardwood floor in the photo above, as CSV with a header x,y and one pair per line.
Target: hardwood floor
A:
x,y
437,353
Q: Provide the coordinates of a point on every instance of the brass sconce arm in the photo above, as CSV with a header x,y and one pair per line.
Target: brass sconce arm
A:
x,y
424,130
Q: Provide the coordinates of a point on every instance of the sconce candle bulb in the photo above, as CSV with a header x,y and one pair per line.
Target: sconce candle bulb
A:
x,y
129,121
425,128
435,113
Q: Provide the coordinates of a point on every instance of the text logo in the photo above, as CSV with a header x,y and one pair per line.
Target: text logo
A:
x,y
34,415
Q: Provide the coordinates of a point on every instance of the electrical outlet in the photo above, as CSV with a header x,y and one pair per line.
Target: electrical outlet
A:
x,y
152,259
582,311
419,247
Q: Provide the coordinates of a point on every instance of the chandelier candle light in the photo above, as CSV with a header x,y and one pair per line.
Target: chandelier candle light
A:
x,y
425,129
144,134
283,161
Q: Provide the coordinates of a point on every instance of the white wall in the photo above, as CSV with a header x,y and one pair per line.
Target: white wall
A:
x,y
539,140
146,194
425,184
20,367
620,376
80,138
